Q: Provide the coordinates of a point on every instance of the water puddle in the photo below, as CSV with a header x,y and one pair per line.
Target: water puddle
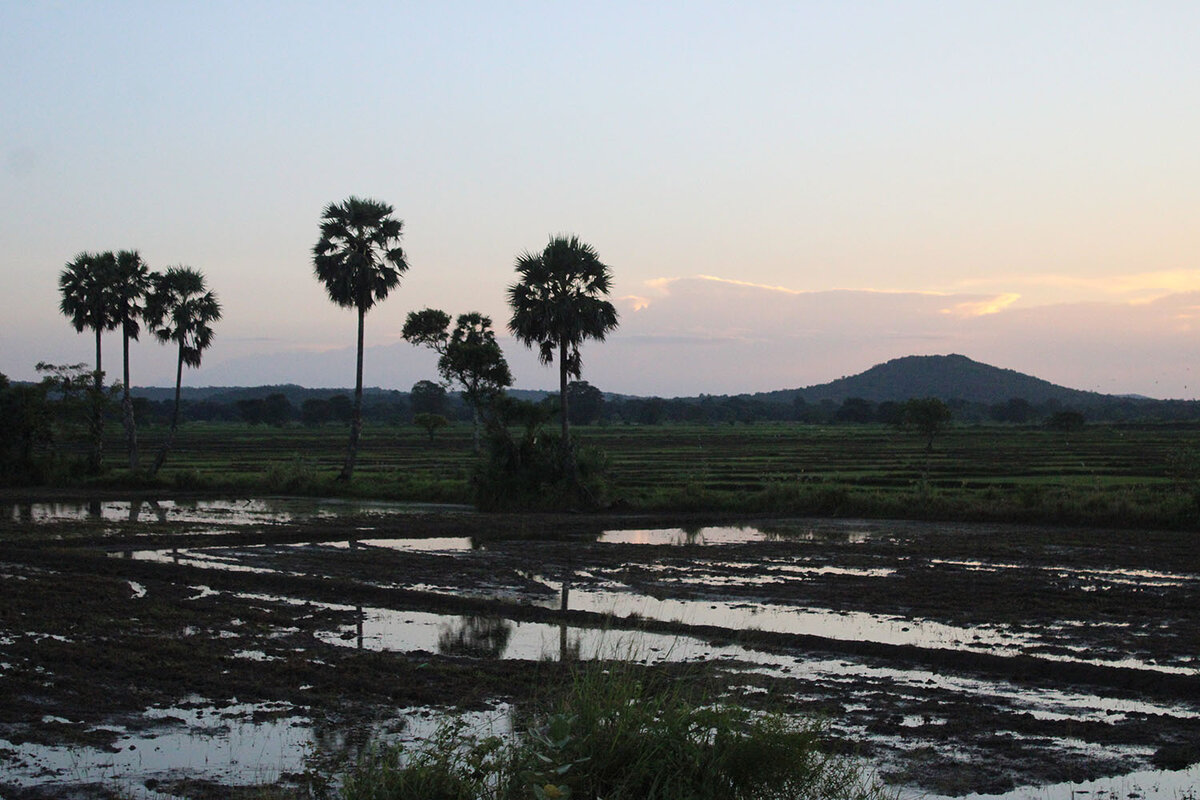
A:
x,y
231,743
1091,579
611,596
211,512
729,535
1145,785
433,544
237,744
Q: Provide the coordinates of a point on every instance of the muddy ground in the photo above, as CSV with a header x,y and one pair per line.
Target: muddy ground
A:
x,y
991,657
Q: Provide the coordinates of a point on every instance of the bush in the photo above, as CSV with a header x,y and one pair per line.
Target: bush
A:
x,y
298,476
529,473
620,733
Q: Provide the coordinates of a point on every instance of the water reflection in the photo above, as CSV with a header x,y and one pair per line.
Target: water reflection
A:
x,y
476,637
197,511
731,535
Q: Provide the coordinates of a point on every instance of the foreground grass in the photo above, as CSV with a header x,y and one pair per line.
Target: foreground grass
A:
x,y
611,735
1129,476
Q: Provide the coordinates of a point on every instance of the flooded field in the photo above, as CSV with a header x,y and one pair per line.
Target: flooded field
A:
x,y
182,648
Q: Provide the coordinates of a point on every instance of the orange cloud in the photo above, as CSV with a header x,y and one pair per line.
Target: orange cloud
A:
x,y
981,308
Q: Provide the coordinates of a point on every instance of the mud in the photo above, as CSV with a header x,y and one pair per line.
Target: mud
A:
x,y
954,658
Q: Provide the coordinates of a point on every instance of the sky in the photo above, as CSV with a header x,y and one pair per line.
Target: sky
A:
x,y
786,192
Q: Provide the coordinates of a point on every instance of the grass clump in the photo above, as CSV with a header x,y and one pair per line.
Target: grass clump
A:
x,y
618,733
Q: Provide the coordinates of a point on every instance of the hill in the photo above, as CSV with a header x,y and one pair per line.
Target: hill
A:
x,y
950,377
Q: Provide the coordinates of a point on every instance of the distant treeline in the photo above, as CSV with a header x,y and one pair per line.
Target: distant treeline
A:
x,y
289,404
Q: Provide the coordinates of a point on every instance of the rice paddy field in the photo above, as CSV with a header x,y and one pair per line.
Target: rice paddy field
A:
x,y
1016,613
1101,474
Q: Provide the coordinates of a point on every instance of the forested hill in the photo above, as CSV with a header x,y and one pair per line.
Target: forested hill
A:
x,y
951,377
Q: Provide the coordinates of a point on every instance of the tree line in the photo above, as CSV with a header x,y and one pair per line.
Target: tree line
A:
x,y
558,301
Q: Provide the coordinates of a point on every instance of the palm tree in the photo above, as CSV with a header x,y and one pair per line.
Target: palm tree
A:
x,y
557,303
359,259
131,280
87,299
179,309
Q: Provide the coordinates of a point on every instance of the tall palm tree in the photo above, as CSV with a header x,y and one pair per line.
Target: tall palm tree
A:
x,y
131,281
179,309
557,303
87,299
359,259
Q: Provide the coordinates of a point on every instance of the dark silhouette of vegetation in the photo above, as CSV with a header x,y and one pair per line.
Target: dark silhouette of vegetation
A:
x,y
928,416
615,732
359,260
315,411
26,429
131,280
1066,421
180,309
86,286
274,410
585,403
468,357
430,422
527,470
558,302
428,397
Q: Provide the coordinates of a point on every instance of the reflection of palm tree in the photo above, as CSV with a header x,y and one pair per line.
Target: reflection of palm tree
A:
x,y
359,259
476,637
692,534
158,510
87,298
180,309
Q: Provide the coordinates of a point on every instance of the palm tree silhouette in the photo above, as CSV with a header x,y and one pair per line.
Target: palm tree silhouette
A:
x,y
87,299
130,282
179,309
359,259
557,303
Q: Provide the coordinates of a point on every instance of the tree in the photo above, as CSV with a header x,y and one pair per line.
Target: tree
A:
x,y
252,410
428,397
87,299
277,410
180,309
130,282
855,410
557,303
314,411
1015,409
430,422
27,428
359,259
469,356
586,402
929,416
1066,421
341,407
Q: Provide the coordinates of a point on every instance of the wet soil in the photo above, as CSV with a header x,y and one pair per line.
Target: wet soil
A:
x,y
1079,653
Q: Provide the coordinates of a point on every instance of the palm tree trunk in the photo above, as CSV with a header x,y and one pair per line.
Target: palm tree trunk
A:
x,y
166,448
475,424
97,457
356,420
565,444
127,407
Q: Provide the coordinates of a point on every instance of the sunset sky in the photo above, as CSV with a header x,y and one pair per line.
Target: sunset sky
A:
x,y
786,192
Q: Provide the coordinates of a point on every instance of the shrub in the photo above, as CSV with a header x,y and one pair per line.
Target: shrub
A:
x,y
620,733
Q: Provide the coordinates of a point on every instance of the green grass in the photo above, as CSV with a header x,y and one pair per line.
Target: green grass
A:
x,y
1101,475
619,733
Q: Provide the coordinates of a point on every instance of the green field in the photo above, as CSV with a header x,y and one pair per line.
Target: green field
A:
x,y
1132,475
